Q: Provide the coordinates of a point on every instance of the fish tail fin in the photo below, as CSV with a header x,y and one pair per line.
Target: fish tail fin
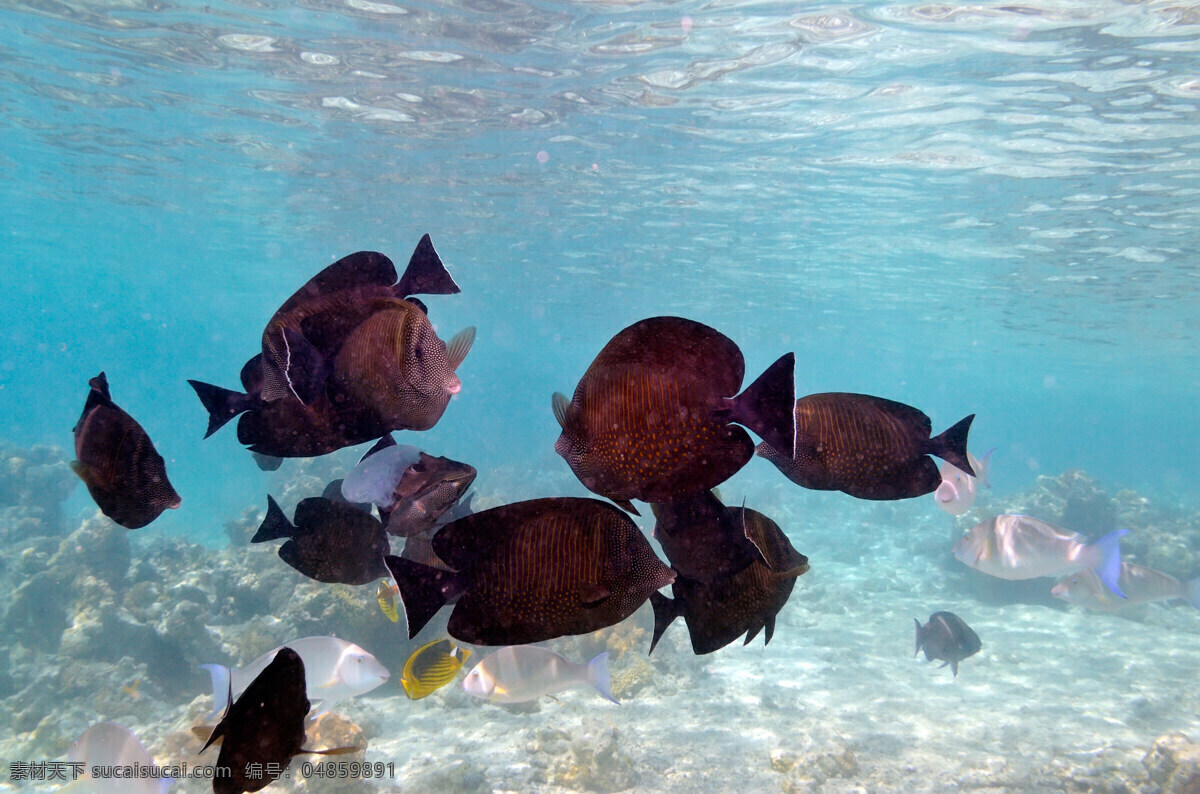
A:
x,y
665,611
768,405
221,404
425,274
1106,561
953,668
985,466
423,590
275,526
220,684
917,649
597,676
951,444
1192,592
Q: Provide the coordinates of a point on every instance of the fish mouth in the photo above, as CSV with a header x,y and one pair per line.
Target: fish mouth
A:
x,y
454,385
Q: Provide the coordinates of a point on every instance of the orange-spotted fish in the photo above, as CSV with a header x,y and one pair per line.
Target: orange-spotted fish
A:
x,y
388,595
1140,584
653,416
532,571
1020,547
868,447
118,463
431,667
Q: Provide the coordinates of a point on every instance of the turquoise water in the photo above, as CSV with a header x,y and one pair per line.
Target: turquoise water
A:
x,y
982,208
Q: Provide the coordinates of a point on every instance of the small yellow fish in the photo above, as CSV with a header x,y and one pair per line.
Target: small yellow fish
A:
x,y
431,667
132,689
386,595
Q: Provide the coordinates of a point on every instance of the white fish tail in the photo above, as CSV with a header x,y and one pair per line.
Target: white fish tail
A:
x,y
983,472
1191,592
1105,555
597,676
220,685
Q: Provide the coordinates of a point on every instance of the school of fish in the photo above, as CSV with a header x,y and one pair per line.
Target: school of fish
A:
x,y
660,416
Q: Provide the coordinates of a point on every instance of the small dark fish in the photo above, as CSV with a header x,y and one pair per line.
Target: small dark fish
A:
x,y
117,461
395,365
867,447
332,542
946,638
717,612
264,727
652,417
431,487
703,540
533,571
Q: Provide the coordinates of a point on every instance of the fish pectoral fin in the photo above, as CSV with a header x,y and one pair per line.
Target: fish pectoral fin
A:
x,y
209,734
593,595
335,751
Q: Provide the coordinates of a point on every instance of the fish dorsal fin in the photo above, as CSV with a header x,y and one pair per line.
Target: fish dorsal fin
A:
x,y
98,396
383,443
99,385
459,345
559,404
426,274
275,526
360,269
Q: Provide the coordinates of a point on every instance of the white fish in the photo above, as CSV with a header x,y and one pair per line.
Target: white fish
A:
x,y
110,744
334,670
520,673
374,479
1140,584
956,494
1020,547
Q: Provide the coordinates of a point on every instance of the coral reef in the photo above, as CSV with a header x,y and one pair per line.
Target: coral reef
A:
x,y
593,761
34,483
1173,763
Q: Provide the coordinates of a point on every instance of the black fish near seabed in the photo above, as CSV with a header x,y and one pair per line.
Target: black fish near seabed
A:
x,y
332,542
703,540
264,727
946,638
287,410
532,571
719,611
118,463
867,447
652,416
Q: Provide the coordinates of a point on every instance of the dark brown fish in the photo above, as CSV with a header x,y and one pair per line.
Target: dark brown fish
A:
x,y
264,728
946,638
431,487
331,541
703,540
117,461
395,365
868,447
652,417
287,406
533,571
746,602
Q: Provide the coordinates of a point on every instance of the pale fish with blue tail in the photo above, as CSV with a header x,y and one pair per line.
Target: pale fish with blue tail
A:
x,y
1141,585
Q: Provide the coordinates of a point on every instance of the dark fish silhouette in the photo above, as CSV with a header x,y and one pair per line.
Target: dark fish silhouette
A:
x,y
395,365
533,571
287,408
717,612
946,638
333,542
652,417
118,463
868,447
264,727
703,540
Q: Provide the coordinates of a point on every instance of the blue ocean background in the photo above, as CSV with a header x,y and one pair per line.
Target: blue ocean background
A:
x,y
969,208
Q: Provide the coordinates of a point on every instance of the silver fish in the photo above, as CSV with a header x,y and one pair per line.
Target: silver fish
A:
x,y
520,673
1021,547
1140,584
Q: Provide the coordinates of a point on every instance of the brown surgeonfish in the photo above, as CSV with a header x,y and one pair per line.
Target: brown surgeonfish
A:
x,y
394,364
331,541
947,638
286,406
652,418
717,612
532,571
263,729
118,463
703,540
867,447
